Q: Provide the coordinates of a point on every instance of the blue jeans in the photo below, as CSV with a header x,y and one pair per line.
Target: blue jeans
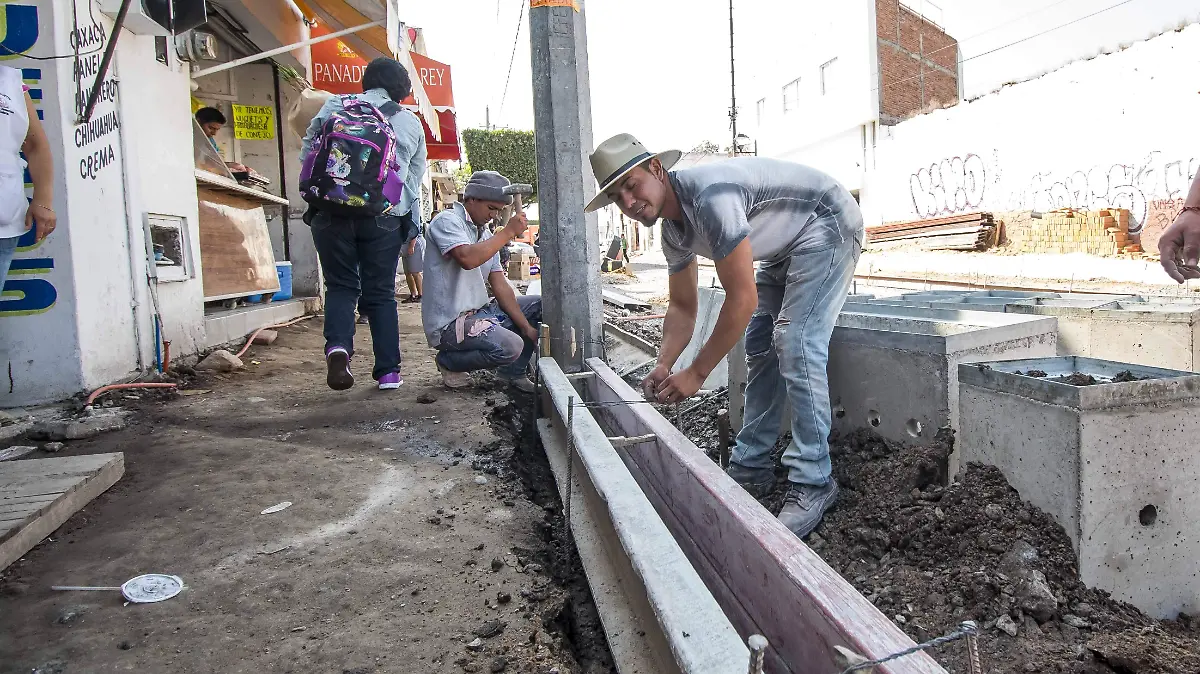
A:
x,y
490,340
358,259
787,354
8,248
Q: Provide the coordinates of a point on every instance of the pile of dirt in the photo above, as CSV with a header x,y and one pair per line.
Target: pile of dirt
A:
x,y
931,555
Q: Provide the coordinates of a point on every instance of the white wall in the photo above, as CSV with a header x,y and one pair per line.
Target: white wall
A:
x,y
794,42
161,181
39,337
1118,130
76,314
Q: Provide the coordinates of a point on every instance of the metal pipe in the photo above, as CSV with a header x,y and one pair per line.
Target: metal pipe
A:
x,y
109,50
287,210
281,50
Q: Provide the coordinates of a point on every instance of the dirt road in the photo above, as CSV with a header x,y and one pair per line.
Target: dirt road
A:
x,y
395,555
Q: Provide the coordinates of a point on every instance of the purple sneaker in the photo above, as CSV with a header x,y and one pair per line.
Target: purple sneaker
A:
x,y
390,381
337,360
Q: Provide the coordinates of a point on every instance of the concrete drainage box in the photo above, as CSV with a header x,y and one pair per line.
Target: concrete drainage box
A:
x,y
895,369
1113,463
1153,333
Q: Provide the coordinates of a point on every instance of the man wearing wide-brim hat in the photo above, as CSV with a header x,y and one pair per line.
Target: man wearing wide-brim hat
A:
x,y
805,230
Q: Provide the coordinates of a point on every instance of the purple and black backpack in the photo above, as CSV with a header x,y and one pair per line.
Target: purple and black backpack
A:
x,y
351,169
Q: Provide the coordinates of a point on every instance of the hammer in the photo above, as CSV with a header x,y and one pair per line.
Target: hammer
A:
x,y
516,190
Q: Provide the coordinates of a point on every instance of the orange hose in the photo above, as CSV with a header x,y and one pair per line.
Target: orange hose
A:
x,y
166,365
116,387
250,341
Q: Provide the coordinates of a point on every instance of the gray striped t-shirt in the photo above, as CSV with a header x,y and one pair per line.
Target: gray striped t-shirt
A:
x,y
782,207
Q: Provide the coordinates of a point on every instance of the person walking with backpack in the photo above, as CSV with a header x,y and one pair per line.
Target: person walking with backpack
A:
x,y
364,159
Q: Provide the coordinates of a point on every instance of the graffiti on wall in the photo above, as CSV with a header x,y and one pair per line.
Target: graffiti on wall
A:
x,y
1130,186
952,185
26,291
969,183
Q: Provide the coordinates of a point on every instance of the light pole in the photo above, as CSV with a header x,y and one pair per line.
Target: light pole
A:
x,y
732,87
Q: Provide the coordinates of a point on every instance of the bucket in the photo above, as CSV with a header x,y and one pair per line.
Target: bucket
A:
x,y
284,269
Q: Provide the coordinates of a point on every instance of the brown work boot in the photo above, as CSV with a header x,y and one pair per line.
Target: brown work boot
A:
x,y
805,505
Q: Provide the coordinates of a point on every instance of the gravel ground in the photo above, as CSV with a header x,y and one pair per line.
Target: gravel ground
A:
x,y
931,555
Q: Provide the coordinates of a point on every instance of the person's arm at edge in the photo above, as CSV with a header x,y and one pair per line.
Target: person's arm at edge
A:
x,y
41,171
1183,235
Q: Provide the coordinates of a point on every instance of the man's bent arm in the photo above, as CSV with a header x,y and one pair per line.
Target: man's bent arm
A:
x,y
736,272
681,315
475,254
507,299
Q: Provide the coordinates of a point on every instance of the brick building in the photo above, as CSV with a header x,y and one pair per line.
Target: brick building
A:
x,y
826,79
918,63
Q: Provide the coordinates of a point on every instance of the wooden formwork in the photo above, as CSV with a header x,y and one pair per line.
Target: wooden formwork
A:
x,y
765,579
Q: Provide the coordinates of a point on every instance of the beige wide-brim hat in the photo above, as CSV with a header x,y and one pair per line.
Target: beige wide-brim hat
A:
x,y
618,156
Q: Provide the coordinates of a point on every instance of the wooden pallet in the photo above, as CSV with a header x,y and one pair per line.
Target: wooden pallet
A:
x,y
38,495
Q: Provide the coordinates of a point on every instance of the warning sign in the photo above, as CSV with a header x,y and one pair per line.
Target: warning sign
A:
x,y
254,122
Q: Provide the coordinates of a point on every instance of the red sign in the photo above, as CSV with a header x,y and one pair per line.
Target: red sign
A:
x,y
338,70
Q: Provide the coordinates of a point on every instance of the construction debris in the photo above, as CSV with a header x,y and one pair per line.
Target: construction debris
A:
x,y
1066,230
970,231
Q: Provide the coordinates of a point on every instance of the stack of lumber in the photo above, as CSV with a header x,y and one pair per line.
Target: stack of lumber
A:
x,y
1067,230
969,231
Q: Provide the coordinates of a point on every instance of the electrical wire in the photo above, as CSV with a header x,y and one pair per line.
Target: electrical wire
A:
x,y
513,57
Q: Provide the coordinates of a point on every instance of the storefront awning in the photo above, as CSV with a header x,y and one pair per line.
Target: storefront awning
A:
x,y
335,15
338,69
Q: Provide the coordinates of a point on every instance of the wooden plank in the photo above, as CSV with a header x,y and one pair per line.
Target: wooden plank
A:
x,y
67,465
16,543
774,583
26,509
679,598
235,247
623,300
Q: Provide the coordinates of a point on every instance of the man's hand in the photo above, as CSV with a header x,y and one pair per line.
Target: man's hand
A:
x,y
412,247
654,380
1179,247
529,332
44,219
517,225
680,386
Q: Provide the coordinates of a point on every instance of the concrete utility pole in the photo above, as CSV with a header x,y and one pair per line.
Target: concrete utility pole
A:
x,y
570,250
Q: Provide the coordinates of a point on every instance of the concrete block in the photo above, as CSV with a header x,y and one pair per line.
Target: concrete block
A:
x,y
1155,332
710,302
266,337
222,327
78,429
895,369
1113,463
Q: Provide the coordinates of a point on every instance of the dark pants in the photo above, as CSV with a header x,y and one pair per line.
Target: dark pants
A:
x,y
358,258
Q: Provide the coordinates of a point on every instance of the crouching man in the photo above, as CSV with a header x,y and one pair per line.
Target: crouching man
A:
x,y
805,231
462,259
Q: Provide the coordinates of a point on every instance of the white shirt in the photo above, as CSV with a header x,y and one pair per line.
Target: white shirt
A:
x,y
14,125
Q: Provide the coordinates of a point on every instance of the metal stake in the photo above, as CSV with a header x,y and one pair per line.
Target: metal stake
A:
x,y
723,436
570,473
973,659
758,651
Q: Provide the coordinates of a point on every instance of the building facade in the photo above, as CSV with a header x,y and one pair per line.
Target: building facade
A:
x,y
122,279
844,70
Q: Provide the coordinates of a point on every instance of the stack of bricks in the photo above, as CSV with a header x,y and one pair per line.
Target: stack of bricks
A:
x,y
1102,232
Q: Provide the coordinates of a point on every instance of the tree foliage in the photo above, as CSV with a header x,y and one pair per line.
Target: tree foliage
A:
x,y
507,151
707,147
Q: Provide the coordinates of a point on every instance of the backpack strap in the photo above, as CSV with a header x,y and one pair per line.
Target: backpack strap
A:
x,y
390,109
